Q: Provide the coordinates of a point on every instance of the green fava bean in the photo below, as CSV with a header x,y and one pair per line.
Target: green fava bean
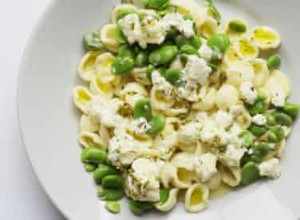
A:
x,y
220,41
283,119
250,173
248,138
157,124
92,42
121,66
163,55
261,97
103,171
193,41
138,208
119,36
276,134
113,207
126,51
260,151
188,49
89,167
113,194
93,155
141,59
258,107
274,61
270,119
155,4
149,71
213,67
291,109
142,108
257,130
112,181
173,75
237,26
164,195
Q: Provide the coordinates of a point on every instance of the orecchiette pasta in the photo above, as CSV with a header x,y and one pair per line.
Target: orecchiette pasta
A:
x,y
107,36
89,139
230,175
81,97
87,67
196,198
170,203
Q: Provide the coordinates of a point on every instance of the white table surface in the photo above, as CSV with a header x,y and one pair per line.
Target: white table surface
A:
x,y
21,196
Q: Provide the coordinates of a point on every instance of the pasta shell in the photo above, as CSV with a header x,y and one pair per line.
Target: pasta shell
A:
x,y
87,68
87,123
140,75
81,97
226,97
239,72
107,36
89,139
170,203
261,72
196,198
278,80
97,87
230,175
266,38
246,49
122,7
103,68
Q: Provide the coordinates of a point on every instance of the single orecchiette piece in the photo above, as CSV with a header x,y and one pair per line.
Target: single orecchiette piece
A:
x,y
261,72
170,203
246,49
265,38
140,75
87,67
97,87
239,72
279,81
89,124
89,139
81,97
107,35
230,175
227,96
103,68
196,198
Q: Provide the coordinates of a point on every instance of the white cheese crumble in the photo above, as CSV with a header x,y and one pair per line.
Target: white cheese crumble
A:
x,y
233,155
278,97
223,119
236,110
139,126
209,133
248,92
105,110
259,119
189,133
142,181
270,168
162,85
131,27
206,52
205,166
186,27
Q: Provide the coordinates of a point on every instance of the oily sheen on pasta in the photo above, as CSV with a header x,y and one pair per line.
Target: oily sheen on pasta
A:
x,y
179,103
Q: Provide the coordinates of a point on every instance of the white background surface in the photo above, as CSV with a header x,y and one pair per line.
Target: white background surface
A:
x,y
21,196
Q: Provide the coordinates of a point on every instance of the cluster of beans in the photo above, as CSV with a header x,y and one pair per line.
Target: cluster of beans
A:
x,y
273,132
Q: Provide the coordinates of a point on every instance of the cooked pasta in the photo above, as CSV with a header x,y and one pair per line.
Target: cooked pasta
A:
x,y
179,102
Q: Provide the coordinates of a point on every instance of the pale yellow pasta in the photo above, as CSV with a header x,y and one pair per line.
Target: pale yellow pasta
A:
x,y
81,97
89,139
187,7
107,35
214,182
231,56
231,176
261,72
278,80
209,27
97,87
170,203
104,134
239,72
208,99
103,68
280,147
133,92
196,198
89,124
140,75
159,102
226,97
183,160
87,67
246,49
265,37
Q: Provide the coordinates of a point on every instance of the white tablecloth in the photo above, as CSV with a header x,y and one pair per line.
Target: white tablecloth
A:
x,y
21,196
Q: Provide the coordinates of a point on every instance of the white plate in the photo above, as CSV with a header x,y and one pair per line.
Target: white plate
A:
x,y
49,121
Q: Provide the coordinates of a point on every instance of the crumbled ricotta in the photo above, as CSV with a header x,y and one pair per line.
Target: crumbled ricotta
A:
x,y
205,166
259,119
131,27
189,133
270,168
236,110
186,27
139,126
105,110
232,155
206,52
278,97
142,181
223,119
209,133
162,85
248,92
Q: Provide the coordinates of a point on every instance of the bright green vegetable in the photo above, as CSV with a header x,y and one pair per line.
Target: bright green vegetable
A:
x,y
270,119
92,42
261,97
248,138
103,171
173,75
155,4
257,108
164,195
237,26
216,14
260,151
157,124
142,108
138,208
141,59
188,49
257,130
149,71
274,61
213,67
276,134
193,41
283,119
119,36
163,55
122,12
112,194
113,207
126,51
89,167
167,10
250,173
121,66
220,41
291,109
93,155
112,181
